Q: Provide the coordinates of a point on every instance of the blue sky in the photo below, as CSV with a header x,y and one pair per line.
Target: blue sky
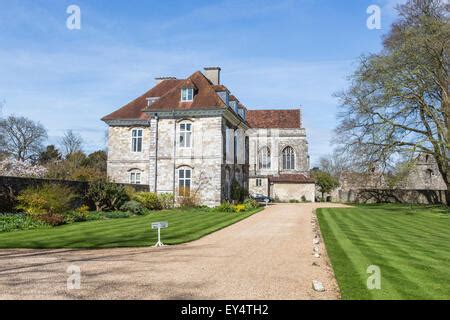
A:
x,y
273,54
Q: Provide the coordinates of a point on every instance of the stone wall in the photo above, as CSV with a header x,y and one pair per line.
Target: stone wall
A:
x,y
394,196
121,159
293,191
263,189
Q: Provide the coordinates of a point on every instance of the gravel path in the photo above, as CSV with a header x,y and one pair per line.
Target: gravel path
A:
x,y
267,256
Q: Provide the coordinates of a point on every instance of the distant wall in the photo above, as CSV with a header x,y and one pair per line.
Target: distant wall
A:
x,y
10,187
293,191
394,196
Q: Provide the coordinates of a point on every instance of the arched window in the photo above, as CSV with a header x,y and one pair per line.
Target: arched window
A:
x,y
264,158
288,158
184,181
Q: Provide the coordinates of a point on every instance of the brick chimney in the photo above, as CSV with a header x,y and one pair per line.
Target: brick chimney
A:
x,y
213,74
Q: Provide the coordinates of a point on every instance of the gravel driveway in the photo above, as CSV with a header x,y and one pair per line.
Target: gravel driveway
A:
x,y
267,256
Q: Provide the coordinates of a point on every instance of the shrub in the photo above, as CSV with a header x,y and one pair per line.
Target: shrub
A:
x,y
166,200
93,216
133,207
46,199
13,222
74,216
251,203
130,191
239,208
116,215
189,201
107,195
304,199
148,199
53,219
235,190
83,209
225,207
294,201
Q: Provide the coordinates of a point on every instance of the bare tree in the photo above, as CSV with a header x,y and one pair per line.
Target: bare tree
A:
x,y
334,164
21,138
397,105
71,142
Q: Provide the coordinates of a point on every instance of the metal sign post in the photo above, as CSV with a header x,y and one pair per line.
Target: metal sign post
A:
x,y
159,226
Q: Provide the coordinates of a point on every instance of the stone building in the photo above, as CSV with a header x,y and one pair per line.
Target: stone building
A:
x,y
192,137
279,161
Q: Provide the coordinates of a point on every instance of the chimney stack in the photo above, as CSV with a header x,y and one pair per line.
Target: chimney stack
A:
x,y
161,79
213,74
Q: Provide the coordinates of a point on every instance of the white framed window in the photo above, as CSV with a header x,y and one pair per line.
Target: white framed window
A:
x,y
136,140
258,182
185,135
288,158
264,158
187,94
184,181
135,177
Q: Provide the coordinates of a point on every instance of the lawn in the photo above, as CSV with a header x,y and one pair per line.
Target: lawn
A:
x,y
411,245
184,225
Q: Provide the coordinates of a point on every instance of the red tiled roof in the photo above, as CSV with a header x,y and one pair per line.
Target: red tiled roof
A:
x,y
281,119
205,96
291,178
133,110
220,87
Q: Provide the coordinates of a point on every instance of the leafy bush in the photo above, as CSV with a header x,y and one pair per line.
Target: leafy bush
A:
x,y
148,199
239,208
133,207
225,207
189,201
74,216
238,193
251,204
93,216
166,200
46,199
294,201
53,219
235,190
107,195
13,222
304,199
83,209
117,215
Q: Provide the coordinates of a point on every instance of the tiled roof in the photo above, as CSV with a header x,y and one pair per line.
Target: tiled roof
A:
x,y
291,178
204,98
281,119
220,87
133,110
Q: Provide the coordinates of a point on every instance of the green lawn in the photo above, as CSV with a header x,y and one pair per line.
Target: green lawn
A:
x,y
411,245
184,225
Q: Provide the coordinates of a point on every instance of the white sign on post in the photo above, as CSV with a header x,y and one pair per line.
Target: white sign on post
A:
x,y
159,226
